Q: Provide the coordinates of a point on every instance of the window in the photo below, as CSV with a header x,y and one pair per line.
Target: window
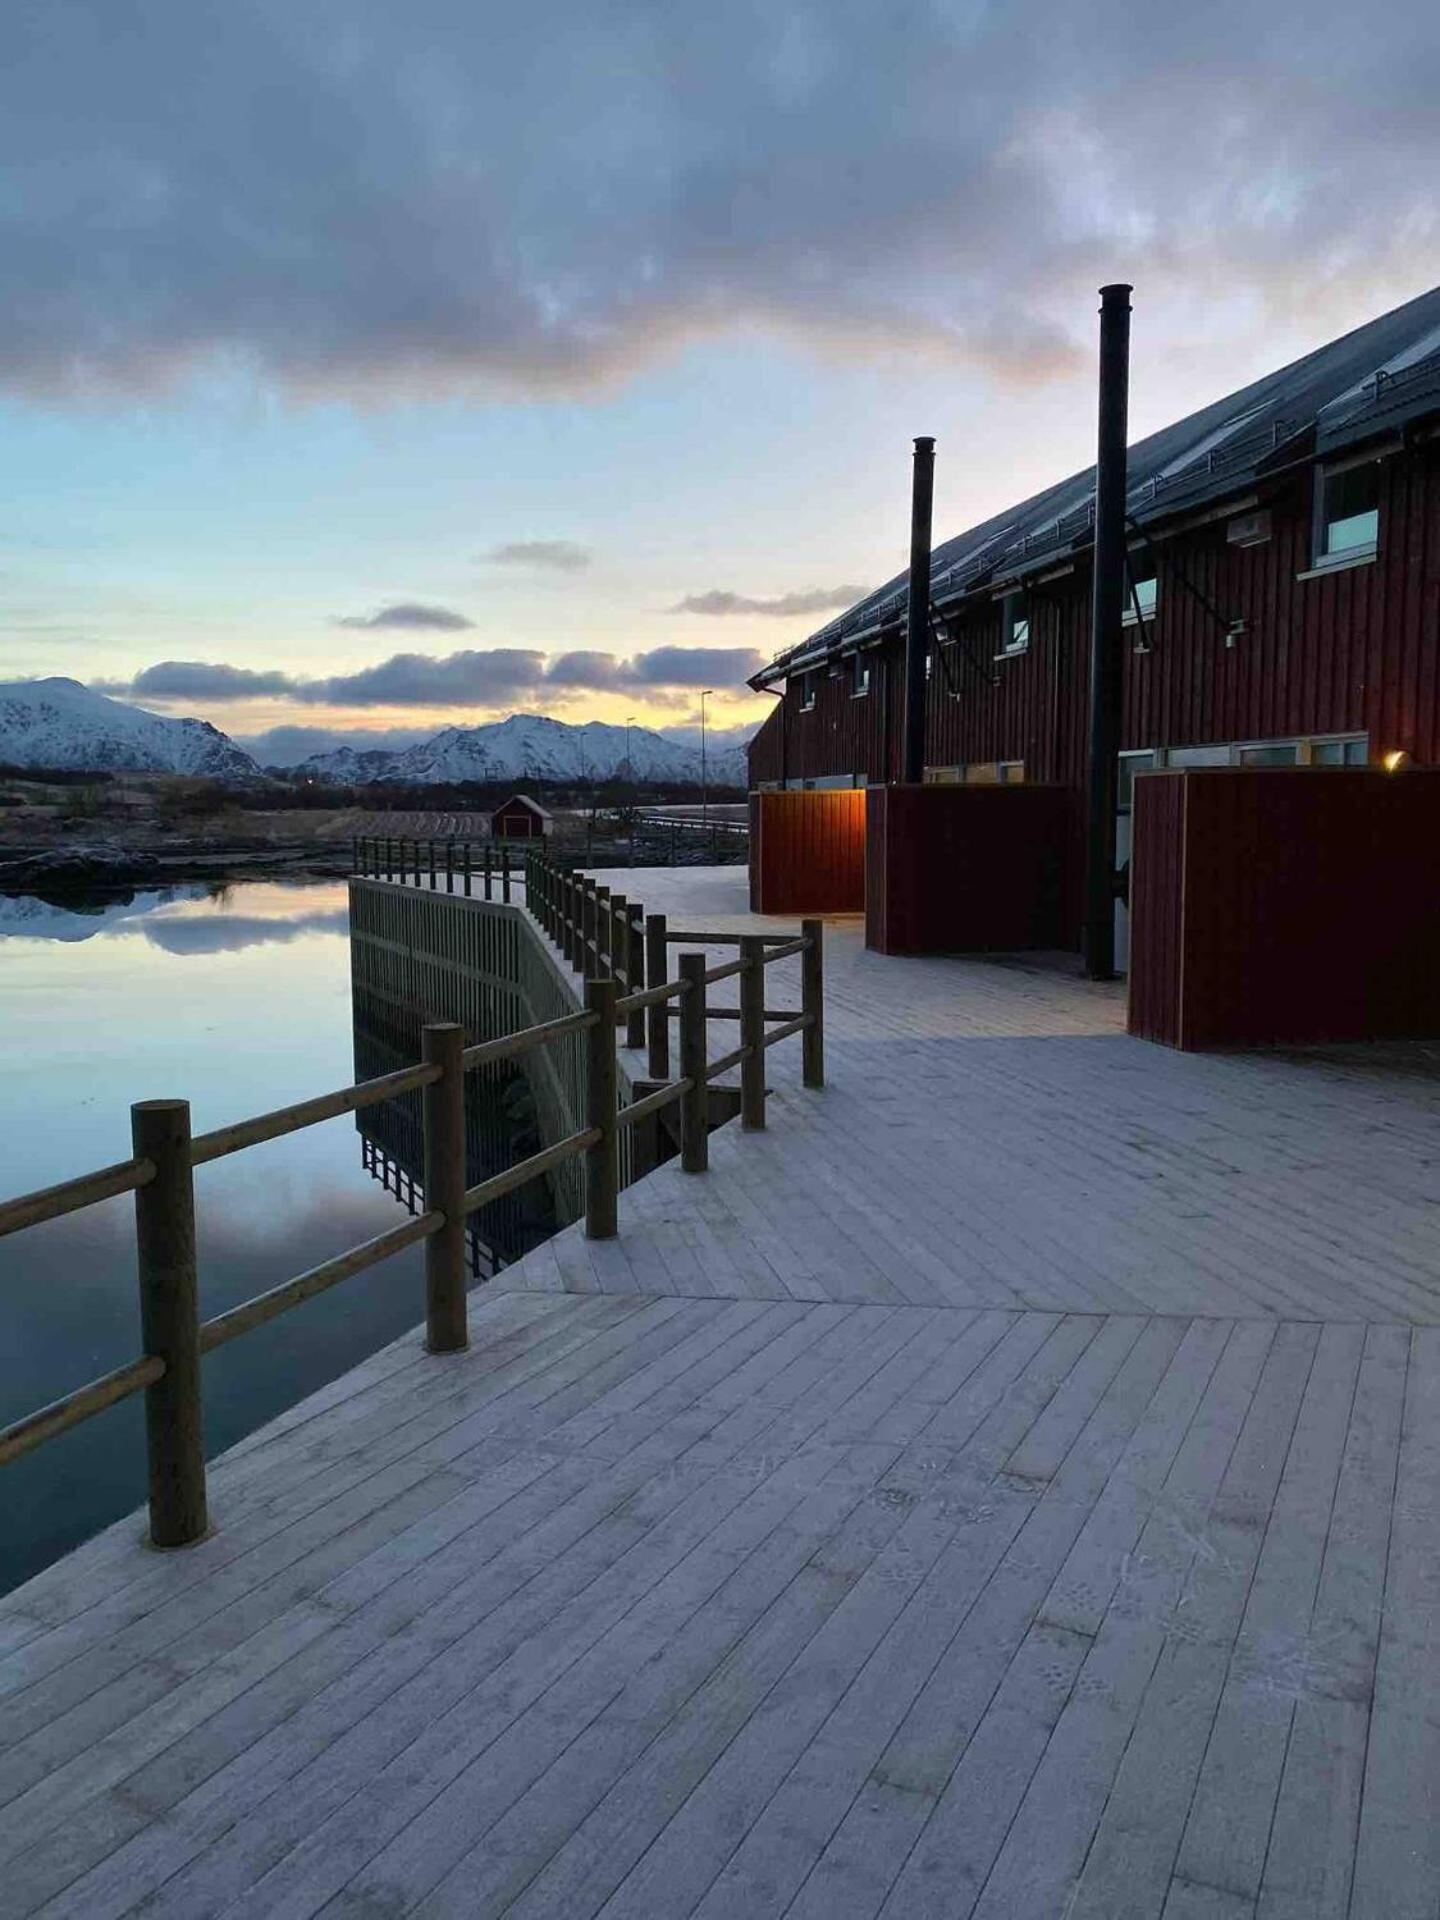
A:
x,y
1347,512
860,682
807,692
1014,624
1271,753
1011,773
1340,753
1141,761
1139,593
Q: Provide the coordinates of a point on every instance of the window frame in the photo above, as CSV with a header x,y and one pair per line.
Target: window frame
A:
x,y
859,675
1321,560
1144,618
1014,612
808,692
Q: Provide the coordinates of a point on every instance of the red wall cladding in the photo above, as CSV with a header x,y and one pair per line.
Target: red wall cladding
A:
x,y
807,852
1357,649
967,869
1285,906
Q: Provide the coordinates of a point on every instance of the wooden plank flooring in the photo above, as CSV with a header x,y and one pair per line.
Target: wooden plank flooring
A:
x,y
1009,1486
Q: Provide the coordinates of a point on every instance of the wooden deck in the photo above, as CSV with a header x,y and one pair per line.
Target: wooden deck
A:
x,y
1009,1486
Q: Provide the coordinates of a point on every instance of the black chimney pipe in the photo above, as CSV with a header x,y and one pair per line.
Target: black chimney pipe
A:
x,y
917,623
1106,657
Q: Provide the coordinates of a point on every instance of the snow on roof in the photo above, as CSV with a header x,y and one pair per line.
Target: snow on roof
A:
x,y
524,800
1366,382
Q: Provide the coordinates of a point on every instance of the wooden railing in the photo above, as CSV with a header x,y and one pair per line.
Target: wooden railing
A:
x,y
480,871
613,941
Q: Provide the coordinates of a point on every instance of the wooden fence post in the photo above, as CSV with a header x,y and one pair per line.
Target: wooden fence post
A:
x,y
443,1045
432,866
618,937
467,869
636,971
812,1002
449,866
752,1032
504,873
601,1159
657,1018
603,968
695,1101
170,1322
587,928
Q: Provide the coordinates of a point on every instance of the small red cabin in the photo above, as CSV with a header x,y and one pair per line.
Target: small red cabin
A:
x,y
520,819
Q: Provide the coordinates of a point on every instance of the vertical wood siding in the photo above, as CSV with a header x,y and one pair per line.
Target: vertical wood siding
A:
x,y
966,869
807,852
1351,651
1238,939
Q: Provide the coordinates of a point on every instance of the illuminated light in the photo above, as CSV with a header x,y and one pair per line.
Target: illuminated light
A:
x,y
1396,761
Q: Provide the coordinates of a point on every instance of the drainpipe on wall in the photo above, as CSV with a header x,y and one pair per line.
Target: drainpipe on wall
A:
x,y
1106,658
917,621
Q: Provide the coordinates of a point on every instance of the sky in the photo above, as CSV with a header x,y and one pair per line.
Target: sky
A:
x,y
369,368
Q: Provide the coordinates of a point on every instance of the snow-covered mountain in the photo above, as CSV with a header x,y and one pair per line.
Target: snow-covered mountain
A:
x,y
528,746
59,723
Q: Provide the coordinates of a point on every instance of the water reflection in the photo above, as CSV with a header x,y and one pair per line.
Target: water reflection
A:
x,y
501,1127
239,1000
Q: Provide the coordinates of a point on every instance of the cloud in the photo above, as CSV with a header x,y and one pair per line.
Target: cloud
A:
x,y
464,679
472,678
948,179
204,680
408,615
784,607
555,556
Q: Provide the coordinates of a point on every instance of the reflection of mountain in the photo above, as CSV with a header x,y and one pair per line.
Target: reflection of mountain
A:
x,y
231,932
82,916
178,920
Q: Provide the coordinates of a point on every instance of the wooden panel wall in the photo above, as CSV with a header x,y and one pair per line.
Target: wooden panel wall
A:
x,y
807,852
1281,906
1350,651
1157,882
967,869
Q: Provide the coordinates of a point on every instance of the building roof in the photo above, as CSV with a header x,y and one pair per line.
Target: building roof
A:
x,y
1366,383
522,800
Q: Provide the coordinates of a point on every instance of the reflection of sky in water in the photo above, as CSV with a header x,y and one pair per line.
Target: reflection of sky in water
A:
x,y
238,1002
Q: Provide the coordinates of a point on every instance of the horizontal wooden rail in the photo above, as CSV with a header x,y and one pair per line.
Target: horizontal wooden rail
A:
x,y
50,1203
512,1044
784,952
723,939
499,1184
652,997
733,1013
723,972
727,1062
72,1408
797,1025
307,1113
655,1102
266,1306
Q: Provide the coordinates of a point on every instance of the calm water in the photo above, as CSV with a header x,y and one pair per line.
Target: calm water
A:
x,y
238,1001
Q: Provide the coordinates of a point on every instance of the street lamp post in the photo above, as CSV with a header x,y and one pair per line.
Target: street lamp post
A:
x,y
704,781
632,801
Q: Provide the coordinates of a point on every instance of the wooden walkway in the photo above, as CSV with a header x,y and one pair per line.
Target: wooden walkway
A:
x,y
1010,1486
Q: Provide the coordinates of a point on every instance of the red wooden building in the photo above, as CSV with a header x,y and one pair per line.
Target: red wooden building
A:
x,y
1283,600
520,819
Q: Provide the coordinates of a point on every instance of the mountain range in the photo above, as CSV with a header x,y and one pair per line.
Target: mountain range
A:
x,y
59,723
528,746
